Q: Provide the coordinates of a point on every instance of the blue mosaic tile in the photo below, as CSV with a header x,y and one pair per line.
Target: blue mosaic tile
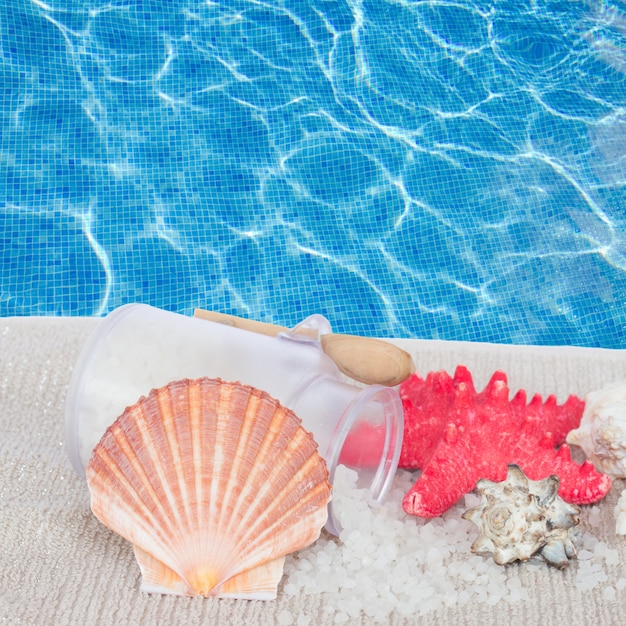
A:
x,y
451,170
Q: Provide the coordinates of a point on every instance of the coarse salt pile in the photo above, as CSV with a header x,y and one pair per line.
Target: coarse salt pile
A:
x,y
386,560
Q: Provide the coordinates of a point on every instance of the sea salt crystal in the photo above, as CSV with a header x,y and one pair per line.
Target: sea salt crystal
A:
x,y
285,618
352,606
472,500
585,555
611,556
516,591
305,565
589,541
594,516
608,594
620,514
589,575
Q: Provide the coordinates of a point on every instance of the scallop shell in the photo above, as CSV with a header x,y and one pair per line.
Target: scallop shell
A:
x,y
213,483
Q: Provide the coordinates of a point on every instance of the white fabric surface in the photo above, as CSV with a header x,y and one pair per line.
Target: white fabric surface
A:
x,y
59,565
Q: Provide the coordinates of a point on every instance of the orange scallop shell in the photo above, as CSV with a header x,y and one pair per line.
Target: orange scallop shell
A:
x,y
213,483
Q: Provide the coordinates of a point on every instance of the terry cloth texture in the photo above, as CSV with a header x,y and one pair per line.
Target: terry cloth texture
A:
x,y
59,565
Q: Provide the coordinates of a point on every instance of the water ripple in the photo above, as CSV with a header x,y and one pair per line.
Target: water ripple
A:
x,y
448,169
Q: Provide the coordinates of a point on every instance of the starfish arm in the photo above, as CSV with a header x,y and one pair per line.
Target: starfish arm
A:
x,y
579,484
448,476
547,421
425,416
567,417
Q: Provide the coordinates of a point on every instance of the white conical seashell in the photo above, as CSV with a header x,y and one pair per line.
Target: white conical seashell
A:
x,y
213,483
602,430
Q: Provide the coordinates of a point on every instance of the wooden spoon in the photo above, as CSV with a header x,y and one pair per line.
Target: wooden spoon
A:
x,y
368,360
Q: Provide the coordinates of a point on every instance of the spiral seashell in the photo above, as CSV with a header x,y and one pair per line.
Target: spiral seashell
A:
x,y
213,483
521,518
602,430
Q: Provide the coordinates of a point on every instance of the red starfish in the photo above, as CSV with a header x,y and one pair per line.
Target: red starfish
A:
x,y
457,436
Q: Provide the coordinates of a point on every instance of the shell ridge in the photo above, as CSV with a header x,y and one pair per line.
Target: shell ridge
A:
x,y
230,408
291,518
252,506
214,555
295,490
222,452
299,501
169,405
262,500
207,441
196,434
158,524
129,477
192,460
247,401
217,462
264,551
244,457
252,500
187,456
159,517
147,452
152,449
116,485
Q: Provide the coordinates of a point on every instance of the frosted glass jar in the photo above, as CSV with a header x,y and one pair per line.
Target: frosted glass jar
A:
x,y
137,348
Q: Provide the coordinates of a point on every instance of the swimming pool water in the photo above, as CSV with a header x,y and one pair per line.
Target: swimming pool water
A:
x,y
450,170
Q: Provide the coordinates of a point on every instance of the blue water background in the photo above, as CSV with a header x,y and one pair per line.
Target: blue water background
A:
x,y
451,170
